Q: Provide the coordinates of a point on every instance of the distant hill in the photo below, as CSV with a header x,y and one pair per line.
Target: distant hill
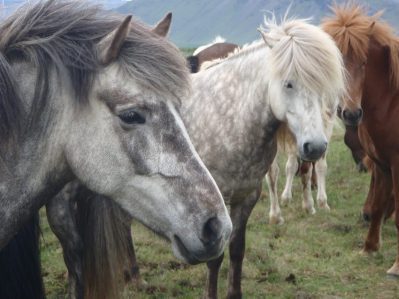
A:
x,y
11,5
197,22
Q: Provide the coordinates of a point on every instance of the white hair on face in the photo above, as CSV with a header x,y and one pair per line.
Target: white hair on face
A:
x,y
306,53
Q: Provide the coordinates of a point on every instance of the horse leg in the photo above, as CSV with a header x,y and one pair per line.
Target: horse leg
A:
x,y
239,216
381,196
321,172
133,272
290,170
271,179
61,218
212,279
314,177
306,177
367,207
394,270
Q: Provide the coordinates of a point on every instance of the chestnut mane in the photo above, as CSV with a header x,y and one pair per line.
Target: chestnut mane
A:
x,y
352,29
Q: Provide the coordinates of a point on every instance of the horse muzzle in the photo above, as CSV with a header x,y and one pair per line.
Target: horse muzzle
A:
x,y
208,245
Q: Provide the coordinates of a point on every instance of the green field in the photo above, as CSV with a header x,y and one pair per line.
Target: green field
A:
x,y
308,257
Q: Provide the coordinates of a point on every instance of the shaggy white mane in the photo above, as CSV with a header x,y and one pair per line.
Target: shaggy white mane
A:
x,y
306,53
299,51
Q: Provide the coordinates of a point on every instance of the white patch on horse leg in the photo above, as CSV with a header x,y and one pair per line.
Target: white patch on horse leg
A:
x,y
307,202
271,179
321,173
290,169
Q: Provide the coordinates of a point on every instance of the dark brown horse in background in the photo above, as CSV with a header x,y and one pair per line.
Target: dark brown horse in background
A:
x,y
371,53
212,52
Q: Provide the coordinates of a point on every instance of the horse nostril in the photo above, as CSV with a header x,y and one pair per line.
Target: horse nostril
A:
x,y
307,148
346,114
211,231
313,151
352,116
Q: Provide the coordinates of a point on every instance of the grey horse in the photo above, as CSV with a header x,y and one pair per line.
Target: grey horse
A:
x,y
88,95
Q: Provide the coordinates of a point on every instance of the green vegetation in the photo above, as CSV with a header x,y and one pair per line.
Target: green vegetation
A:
x,y
307,257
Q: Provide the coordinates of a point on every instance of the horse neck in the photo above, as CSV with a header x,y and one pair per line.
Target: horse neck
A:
x,y
229,113
32,169
377,85
236,85
26,184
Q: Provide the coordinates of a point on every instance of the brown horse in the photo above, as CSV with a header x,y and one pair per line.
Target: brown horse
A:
x,y
212,52
371,53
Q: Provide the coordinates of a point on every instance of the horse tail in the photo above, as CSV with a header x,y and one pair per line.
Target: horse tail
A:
x,y
102,225
20,269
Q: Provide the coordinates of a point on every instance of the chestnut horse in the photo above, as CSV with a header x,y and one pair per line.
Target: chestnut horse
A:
x,y
371,54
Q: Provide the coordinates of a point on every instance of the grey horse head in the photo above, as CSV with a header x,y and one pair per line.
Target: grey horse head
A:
x,y
98,99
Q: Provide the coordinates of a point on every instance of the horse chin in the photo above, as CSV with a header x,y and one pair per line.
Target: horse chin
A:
x,y
351,123
182,253
307,158
209,252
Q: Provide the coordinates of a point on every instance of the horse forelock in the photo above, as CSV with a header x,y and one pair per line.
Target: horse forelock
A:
x,y
63,35
304,52
352,29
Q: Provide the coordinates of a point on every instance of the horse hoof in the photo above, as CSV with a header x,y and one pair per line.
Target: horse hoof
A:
x,y
312,211
309,210
324,206
393,272
367,253
279,220
285,201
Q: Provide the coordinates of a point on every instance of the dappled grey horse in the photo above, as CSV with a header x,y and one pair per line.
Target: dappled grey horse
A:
x,y
292,76
87,96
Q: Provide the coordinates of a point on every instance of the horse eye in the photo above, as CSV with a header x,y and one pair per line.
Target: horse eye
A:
x,y
131,117
289,85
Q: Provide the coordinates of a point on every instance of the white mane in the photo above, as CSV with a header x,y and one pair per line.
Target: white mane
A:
x,y
304,52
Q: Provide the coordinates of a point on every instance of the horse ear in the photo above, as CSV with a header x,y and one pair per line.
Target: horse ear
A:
x,y
371,28
110,46
265,38
163,26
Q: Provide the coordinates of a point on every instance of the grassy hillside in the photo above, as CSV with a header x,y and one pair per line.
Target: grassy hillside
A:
x,y
198,22
307,257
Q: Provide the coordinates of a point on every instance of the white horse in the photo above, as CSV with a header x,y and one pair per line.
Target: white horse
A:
x,y
287,144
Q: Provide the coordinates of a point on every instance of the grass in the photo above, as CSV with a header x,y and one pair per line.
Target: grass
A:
x,y
307,257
